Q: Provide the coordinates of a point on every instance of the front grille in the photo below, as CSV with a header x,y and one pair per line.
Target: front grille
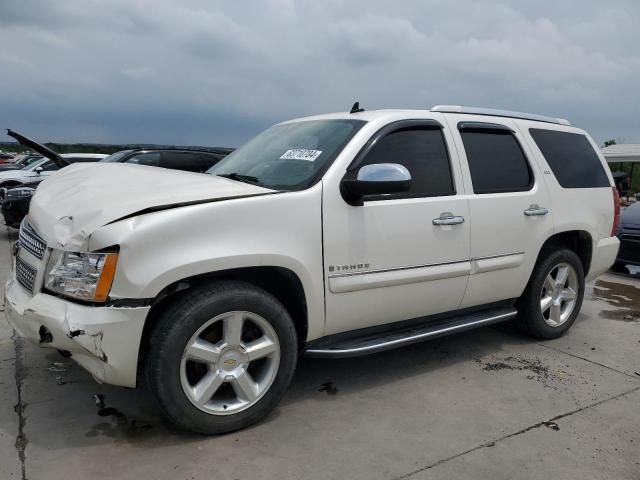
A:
x,y
31,241
25,274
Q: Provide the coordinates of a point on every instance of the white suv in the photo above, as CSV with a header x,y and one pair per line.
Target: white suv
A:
x,y
332,235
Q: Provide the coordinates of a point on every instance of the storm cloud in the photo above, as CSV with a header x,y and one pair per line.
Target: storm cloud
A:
x,y
215,73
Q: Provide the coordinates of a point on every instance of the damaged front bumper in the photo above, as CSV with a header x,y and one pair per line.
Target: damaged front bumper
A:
x,y
103,340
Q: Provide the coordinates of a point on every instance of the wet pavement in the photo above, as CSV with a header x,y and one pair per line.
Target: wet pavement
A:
x,y
483,404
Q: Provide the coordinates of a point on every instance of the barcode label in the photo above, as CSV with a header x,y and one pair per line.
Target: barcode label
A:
x,y
301,154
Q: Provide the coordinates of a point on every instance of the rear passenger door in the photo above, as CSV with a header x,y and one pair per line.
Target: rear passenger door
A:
x,y
509,207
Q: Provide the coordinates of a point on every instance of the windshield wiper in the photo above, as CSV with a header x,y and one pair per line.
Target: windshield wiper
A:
x,y
240,178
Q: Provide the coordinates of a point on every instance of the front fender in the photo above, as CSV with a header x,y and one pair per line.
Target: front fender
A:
x,y
159,249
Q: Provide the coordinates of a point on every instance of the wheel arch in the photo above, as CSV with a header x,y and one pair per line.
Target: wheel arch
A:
x,y
281,282
10,184
579,241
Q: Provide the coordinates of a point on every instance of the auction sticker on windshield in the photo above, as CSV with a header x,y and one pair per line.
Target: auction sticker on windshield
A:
x,y
301,154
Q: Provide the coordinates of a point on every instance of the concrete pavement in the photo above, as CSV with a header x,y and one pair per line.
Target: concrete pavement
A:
x,y
483,404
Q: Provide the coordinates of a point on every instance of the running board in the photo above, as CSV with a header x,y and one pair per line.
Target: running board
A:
x,y
372,340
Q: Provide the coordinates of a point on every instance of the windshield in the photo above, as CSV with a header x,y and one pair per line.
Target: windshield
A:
x,y
34,164
291,156
27,162
117,157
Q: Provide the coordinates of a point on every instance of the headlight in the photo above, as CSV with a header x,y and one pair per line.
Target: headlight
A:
x,y
85,276
20,192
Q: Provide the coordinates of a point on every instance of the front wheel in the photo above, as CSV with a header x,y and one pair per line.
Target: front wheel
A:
x,y
553,297
221,357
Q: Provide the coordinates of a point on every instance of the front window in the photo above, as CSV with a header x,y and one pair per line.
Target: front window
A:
x,y
50,166
291,156
33,166
116,157
31,162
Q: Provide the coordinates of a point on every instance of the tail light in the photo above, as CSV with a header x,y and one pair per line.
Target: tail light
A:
x,y
616,212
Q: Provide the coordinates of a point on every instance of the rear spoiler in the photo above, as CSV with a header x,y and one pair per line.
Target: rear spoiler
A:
x,y
38,147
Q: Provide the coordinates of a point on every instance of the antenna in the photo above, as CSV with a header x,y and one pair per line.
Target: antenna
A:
x,y
356,108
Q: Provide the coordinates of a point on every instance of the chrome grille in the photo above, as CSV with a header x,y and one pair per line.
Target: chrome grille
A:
x,y
31,241
25,274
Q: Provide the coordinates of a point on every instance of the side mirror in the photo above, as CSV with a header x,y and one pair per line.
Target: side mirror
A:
x,y
375,179
38,170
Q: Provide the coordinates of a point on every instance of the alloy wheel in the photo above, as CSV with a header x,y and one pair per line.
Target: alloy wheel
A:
x,y
230,363
559,294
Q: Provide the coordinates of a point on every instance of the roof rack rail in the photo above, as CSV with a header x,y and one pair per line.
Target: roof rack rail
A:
x,y
498,113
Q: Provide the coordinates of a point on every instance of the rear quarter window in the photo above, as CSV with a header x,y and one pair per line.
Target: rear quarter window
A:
x,y
571,157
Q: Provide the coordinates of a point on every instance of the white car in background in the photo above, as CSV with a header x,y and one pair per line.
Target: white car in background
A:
x,y
38,171
44,168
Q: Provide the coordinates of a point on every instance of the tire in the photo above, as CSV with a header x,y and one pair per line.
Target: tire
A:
x,y
554,321
619,267
203,315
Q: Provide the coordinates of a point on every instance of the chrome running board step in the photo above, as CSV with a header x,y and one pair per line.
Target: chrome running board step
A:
x,y
377,339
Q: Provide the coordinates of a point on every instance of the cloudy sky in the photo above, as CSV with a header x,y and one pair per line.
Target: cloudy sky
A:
x,y
217,72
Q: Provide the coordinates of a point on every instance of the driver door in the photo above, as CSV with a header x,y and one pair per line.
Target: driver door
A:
x,y
387,260
48,168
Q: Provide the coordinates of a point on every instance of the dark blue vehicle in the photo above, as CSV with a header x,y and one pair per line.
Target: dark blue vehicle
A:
x,y
629,235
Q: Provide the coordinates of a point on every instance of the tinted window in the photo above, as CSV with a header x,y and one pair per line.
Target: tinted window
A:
x,y
424,153
571,158
151,159
496,161
191,162
116,157
210,159
49,166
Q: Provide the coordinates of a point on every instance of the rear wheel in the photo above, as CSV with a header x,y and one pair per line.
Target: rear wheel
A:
x,y
221,357
554,294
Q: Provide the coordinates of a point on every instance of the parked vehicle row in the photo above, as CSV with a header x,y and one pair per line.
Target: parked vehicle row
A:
x,y
21,163
41,169
18,185
334,235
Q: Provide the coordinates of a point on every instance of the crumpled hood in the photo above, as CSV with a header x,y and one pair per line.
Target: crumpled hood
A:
x,y
71,204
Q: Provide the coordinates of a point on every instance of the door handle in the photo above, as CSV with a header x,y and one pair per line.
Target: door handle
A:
x,y
535,210
448,218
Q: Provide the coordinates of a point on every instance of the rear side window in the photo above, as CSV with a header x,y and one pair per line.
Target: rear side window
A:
x,y
496,161
190,161
151,159
187,161
424,153
571,158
